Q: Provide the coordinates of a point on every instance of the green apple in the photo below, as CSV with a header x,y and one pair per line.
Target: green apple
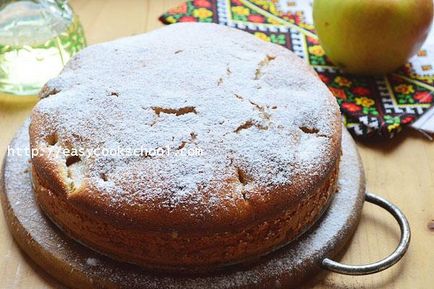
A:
x,y
372,36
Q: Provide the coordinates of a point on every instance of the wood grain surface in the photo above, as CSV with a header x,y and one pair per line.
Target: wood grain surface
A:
x,y
402,170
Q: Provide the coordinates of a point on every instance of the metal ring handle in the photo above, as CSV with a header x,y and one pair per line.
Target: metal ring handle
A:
x,y
388,261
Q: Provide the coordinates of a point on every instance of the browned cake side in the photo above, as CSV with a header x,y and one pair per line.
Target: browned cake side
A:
x,y
268,128
195,251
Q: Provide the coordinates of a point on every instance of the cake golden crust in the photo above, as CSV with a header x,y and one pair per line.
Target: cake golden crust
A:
x,y
185,251
268,129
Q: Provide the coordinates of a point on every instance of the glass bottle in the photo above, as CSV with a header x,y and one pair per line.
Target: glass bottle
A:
x,y
37,38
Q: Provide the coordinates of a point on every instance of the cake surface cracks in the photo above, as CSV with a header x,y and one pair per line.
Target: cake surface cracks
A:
x,y
268,130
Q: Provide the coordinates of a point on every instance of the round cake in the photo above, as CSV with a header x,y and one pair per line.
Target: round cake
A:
x,y
189,148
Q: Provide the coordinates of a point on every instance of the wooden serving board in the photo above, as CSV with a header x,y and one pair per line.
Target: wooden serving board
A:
x,y
76,266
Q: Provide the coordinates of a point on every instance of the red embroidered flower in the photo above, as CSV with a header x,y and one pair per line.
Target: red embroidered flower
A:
x,y
324,78
256,18
407,119
423,97
351,107
362,91
237,2
202,3
297,18
339,93
312,40
187,19
180,9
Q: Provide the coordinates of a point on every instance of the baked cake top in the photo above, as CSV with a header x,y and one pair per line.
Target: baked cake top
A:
x,y
247,129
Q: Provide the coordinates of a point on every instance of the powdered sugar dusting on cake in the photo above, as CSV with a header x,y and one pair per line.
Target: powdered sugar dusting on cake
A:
x,y
247,105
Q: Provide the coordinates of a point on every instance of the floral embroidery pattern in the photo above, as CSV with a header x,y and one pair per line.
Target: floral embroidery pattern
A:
x,y
371,106
244,14
317,54
191,11
352,94
273,37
